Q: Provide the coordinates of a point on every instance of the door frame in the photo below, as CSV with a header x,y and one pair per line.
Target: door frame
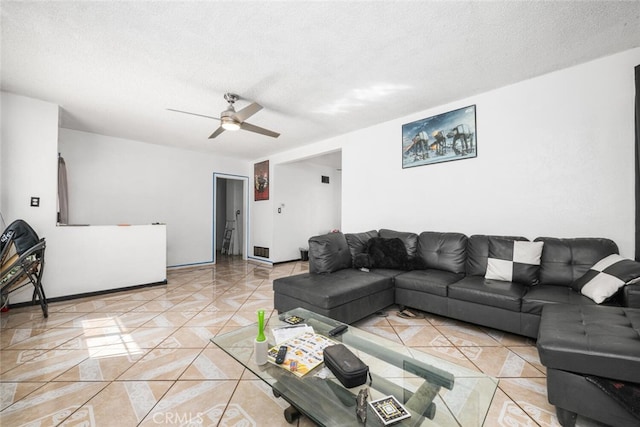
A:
x,y
245,207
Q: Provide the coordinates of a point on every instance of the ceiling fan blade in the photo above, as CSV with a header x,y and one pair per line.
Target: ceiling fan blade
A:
x,y
193,114
217,132
247,112
257,129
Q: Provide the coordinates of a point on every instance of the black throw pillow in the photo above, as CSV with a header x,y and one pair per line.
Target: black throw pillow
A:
x,y
362,260
388,253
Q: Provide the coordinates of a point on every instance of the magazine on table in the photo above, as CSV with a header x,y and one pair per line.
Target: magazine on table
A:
x,y
285,333
304,352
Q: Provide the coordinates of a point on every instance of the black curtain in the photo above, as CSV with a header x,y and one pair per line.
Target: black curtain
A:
x,y
637,162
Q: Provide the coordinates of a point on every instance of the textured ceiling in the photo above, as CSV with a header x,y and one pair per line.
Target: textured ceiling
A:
x,y
320,68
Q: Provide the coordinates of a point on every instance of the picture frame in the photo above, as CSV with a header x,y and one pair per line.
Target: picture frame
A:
x,y
442,138
261,181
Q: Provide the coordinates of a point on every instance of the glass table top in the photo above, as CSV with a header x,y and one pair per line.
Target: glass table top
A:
x,y
436,392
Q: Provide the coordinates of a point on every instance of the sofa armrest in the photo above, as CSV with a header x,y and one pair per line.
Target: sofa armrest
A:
x,y
631,296
328,253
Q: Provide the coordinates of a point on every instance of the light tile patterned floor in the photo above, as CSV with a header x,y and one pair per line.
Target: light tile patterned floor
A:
x,y
143,357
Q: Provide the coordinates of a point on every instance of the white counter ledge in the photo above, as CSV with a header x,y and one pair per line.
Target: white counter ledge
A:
x,y
82,259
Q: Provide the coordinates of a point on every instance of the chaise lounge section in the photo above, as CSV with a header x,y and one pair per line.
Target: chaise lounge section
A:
x,y
332,287
592,356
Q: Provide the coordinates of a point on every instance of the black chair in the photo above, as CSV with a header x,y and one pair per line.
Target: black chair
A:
x,y
22,262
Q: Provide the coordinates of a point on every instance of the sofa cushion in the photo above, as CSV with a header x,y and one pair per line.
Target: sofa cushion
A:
x,y
630,296
357,242
386,272
478,252
410,240
430,281
608,275
495,293
388,253
565,260
329,291
443,251
328,253
539,296
592,340
513,260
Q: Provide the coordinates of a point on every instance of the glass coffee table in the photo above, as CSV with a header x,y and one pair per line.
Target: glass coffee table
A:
x,y
434,391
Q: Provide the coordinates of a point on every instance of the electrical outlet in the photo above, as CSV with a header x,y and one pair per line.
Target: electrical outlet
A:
x,y
35,202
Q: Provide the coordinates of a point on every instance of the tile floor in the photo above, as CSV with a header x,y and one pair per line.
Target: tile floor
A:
x,y
143,357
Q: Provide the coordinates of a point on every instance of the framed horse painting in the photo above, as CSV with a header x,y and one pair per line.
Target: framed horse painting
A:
x,y
442,138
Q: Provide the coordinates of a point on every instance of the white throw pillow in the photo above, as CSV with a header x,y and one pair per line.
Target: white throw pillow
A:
x,y
514,260
608,275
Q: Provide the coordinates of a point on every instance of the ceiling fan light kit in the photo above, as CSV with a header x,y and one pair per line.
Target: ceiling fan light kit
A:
x,y
232,120
229,124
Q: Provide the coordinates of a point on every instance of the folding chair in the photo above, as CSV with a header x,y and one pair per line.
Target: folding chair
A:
x,y
22,262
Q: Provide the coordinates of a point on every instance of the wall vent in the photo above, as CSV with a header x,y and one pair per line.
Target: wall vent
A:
x,y
261,251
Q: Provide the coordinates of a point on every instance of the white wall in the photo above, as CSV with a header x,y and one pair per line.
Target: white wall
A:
x,y
555,158
29,160
113,181
78,259
310,207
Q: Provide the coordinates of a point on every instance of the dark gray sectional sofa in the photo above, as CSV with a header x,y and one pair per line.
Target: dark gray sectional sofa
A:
x,y
447,278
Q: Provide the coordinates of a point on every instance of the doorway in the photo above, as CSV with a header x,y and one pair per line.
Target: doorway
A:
x,y
230,212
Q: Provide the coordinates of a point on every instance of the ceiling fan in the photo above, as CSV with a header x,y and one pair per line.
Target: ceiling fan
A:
x,y
230,119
